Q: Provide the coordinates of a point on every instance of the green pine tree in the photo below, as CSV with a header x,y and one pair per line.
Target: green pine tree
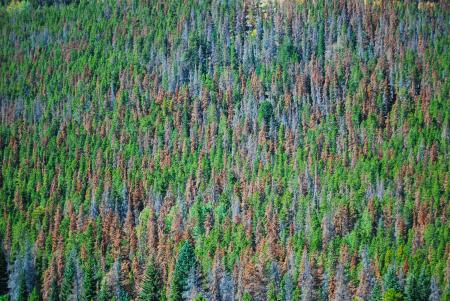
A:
x,y
376,292
152,285
417,288
103,294
34,296
272,293
411,287
423,288
185,261
89,284
67,283
54,296
22,296
391,280
3,273
247,297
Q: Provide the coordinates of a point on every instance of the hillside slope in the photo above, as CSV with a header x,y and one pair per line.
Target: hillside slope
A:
x,y
225,150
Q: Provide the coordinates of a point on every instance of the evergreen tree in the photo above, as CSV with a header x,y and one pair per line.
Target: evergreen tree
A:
x,y
152,285
22,296
271,293
391,280
265,112
103,294
418,288
423,289
246,297
3,272
34,296
68,278
410,287
185,261
376,292
54,295
89,281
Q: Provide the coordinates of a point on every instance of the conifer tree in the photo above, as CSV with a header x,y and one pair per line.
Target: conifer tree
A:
x,y
34,296
152,285
376,293
185,261
103,293
3,272
391,280
22,296
54,294
89,282
68,278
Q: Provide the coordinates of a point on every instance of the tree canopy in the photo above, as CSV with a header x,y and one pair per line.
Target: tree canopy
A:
x,y
224,150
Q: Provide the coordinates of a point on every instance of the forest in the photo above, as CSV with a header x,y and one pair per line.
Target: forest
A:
x,y
221,150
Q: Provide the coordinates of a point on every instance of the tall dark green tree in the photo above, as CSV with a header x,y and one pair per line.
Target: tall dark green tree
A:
x,y
68,278
89,281
391,280
265,112
152,285
417,288
186,260
103,294
22,296
54,294
3,272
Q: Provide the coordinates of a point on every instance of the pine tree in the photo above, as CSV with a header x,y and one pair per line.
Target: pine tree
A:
x,y
410,287
34,296
246,297
68,278
423,288
271,293
185,261
22,296
89,282
53,295
103,294
3,272
391,280
152,285
376,292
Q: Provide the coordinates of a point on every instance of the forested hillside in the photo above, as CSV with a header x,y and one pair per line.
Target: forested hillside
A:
x,y
224,150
